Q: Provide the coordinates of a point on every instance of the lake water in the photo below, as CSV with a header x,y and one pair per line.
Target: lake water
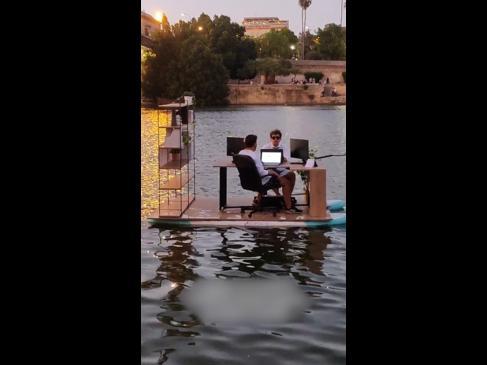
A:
x,y
310,261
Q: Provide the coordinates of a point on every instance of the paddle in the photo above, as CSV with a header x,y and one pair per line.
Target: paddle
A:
x,y
320,157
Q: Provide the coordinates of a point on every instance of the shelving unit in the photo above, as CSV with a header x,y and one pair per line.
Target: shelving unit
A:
x,y
176,154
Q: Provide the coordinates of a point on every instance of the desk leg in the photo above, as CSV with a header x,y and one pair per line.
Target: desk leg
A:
x,y
317,193
223,187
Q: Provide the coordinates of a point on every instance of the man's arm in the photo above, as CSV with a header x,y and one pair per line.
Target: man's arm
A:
x,y
286,153
260,167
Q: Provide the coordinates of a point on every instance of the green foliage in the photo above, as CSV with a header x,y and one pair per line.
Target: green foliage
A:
x,y
332,42
316,75
202,72
304,3
310,42
247,72
158,66
313,55
277,44
227,39
183,60
271,67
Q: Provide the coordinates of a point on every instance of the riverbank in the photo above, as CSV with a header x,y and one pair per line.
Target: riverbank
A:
x,y
285,94
276,94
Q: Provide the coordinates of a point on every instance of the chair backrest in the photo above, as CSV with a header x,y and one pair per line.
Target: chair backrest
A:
x,y
247,171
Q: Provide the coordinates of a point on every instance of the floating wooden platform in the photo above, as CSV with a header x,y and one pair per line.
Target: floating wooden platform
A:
x,y
204,212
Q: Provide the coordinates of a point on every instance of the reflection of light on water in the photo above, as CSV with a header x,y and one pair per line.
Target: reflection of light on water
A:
x,y
150,173
149,163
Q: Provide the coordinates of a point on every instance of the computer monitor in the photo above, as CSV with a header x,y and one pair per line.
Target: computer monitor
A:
x,y
235,145
300,149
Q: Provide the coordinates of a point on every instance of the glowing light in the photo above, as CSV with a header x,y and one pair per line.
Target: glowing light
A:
x,y
200,28
158,16
173,285
292,46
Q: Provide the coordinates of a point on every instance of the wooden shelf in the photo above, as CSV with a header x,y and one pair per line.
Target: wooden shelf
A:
x,y
176,182
174,165
175,190
175,207
173,106
170,126
175,126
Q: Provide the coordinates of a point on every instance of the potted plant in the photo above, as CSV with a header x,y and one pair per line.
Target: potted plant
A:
x,y
187,144
305,175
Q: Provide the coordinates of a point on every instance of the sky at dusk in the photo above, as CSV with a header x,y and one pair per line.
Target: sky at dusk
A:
x,y
320,12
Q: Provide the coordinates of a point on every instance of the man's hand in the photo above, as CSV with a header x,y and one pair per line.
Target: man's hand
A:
x,y
272,172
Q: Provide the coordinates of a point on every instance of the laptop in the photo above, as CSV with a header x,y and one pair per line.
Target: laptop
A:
x,y
271,157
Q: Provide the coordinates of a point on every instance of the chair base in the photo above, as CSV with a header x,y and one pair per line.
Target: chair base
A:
x,y
267,203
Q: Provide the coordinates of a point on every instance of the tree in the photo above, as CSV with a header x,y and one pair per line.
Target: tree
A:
x,y
332,42
228,40
310,43
304,4
177,65
183,30
270,67
199,56
277,43
246,51
166,27
201,72
158,65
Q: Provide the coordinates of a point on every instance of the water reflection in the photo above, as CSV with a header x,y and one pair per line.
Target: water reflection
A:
x,y
186,255
279,252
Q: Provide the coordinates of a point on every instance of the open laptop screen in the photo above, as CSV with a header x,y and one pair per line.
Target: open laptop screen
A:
x,y
271,156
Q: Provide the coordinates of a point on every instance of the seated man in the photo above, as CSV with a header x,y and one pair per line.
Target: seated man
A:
x,y
276,143
266,175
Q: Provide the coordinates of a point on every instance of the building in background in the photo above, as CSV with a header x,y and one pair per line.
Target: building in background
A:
x,y
255,27
148,24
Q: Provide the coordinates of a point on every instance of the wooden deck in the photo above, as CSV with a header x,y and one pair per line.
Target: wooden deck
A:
x,y
204,212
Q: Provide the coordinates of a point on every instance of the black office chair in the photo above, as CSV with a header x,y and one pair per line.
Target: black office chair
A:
x,y
251,180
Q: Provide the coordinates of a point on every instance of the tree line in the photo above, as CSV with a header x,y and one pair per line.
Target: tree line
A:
x,y
201,55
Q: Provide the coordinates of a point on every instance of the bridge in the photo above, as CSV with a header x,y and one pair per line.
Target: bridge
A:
x,y
146,41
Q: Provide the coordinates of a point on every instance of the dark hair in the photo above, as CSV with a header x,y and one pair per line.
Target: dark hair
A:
x,y
250,140
275,131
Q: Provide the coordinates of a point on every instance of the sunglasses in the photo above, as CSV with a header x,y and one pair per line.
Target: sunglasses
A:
x,y
276,137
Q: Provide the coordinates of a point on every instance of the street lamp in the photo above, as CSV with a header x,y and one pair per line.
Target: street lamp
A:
x,y
200,28
292,47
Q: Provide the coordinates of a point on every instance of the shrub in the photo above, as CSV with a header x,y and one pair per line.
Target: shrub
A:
x,y
316,75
